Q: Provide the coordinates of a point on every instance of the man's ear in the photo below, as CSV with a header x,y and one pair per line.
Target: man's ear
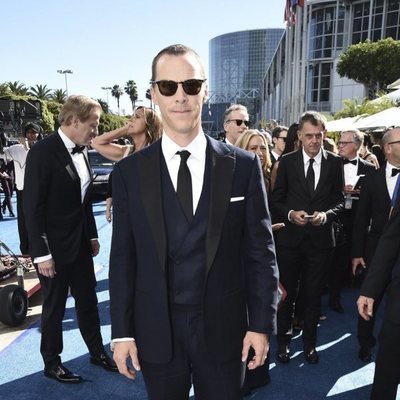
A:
x,y
205,98
153,95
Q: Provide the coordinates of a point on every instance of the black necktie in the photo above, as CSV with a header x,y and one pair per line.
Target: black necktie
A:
x,y
184,187
310,177
354,162
395,171
77,149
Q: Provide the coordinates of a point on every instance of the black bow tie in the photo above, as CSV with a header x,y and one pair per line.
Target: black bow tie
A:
x,y
354,162
395,171
77,149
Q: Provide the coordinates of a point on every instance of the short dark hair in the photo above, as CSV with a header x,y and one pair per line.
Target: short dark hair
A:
x,y
32,126
174,50
277,130
314,118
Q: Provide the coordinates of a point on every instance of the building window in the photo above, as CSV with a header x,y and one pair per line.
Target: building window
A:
x,y
320,82
393,20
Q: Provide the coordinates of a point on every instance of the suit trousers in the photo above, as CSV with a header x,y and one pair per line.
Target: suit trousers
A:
x,y
192,363
307,264
22,231
79,277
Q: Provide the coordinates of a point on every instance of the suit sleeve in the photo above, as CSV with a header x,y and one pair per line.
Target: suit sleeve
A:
x,y
122,262
280,210
385,259
362,220
36,186
337,204
259,257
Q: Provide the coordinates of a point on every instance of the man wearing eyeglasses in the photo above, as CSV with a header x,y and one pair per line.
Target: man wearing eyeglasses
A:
x,y
377,197
236,121
279,134
355,169
193,278
307,197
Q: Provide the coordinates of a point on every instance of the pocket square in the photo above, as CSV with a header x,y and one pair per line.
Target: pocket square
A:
x,y
233,199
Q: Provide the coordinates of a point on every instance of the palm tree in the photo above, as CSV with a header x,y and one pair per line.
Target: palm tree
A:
x,y
59,95
104,105
117,92
148,96
41,92
17,88
4,90
131,91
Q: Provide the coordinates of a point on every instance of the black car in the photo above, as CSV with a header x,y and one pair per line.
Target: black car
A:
x,y
102,168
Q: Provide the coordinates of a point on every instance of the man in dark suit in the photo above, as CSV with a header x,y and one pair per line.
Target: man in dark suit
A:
x,y
355,170
384,268
372,215
193,278
62,233
307,197
279,135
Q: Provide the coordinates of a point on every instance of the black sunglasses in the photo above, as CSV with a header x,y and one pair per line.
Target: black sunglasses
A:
x,y
283,138
239,122
169,88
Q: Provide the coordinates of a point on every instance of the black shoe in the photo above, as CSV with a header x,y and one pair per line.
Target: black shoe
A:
x,y
311,356
365,354
62,374
12,215
336,306
105,361
283,354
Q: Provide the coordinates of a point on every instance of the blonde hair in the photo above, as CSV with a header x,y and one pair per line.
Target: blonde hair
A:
x,y
153,124
243,143
77,106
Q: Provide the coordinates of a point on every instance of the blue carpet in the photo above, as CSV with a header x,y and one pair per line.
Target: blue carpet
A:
x,y
339,375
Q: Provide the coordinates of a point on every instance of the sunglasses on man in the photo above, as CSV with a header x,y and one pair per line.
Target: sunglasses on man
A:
x,y
191,87
239,122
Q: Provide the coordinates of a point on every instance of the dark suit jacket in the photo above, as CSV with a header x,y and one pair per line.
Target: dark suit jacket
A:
x,y
291,193
385,265
56,218
372,213
241,273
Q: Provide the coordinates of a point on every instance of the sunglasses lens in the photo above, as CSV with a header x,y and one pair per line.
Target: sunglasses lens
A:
x,y
192,86
167,88
239,122
247,123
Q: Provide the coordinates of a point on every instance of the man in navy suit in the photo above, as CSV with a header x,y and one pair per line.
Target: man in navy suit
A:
x,y
384,268
307,197
193,278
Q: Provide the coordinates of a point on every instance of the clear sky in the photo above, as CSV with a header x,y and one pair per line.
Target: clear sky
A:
x,y
108,42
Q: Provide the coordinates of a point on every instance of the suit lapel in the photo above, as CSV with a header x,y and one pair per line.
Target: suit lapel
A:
x,y
300,170
151,194
324,173
222,168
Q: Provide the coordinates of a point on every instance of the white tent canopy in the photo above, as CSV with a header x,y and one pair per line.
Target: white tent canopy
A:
x,y
340,125
383,119
395,96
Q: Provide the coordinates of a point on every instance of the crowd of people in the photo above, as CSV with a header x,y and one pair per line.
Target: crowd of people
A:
x,y
208,236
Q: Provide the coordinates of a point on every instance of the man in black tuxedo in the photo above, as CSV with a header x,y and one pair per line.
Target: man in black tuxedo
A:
x,y
307,197
355,170
279,135
384,268
236,121
193,277
62,233
372,215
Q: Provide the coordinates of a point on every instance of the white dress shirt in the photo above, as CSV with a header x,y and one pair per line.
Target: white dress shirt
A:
x,y
316,165
350,173
17,153
390,180
196,162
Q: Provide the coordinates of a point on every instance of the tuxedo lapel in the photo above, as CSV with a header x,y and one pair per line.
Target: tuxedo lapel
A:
x,y
222,161
324,173
151,193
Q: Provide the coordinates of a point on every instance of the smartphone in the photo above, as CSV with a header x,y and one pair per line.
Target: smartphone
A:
x,y
308,216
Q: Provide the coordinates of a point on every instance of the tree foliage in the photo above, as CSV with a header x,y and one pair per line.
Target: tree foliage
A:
x,y
352,107
117,92
371,63
59,96
131,91
17,88
41,92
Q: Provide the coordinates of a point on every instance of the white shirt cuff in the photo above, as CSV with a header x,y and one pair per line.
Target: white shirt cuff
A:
x,y
38,260
124,339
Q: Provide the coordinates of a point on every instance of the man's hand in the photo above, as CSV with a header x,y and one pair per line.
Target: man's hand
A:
x,y
47,268
277,226
297,217
355,262
95,247
259,342
319,218
123,350
365,307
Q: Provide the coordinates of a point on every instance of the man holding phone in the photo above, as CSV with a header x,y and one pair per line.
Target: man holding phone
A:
x,y
354,170
307,197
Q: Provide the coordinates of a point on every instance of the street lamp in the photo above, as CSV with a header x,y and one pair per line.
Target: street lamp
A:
x,y
106,88
65,72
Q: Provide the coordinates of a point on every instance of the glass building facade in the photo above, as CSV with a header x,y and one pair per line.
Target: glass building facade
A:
x,y
326,29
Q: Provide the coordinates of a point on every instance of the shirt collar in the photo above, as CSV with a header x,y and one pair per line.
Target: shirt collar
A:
x,y
389,168
68,143
196,148
317,158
